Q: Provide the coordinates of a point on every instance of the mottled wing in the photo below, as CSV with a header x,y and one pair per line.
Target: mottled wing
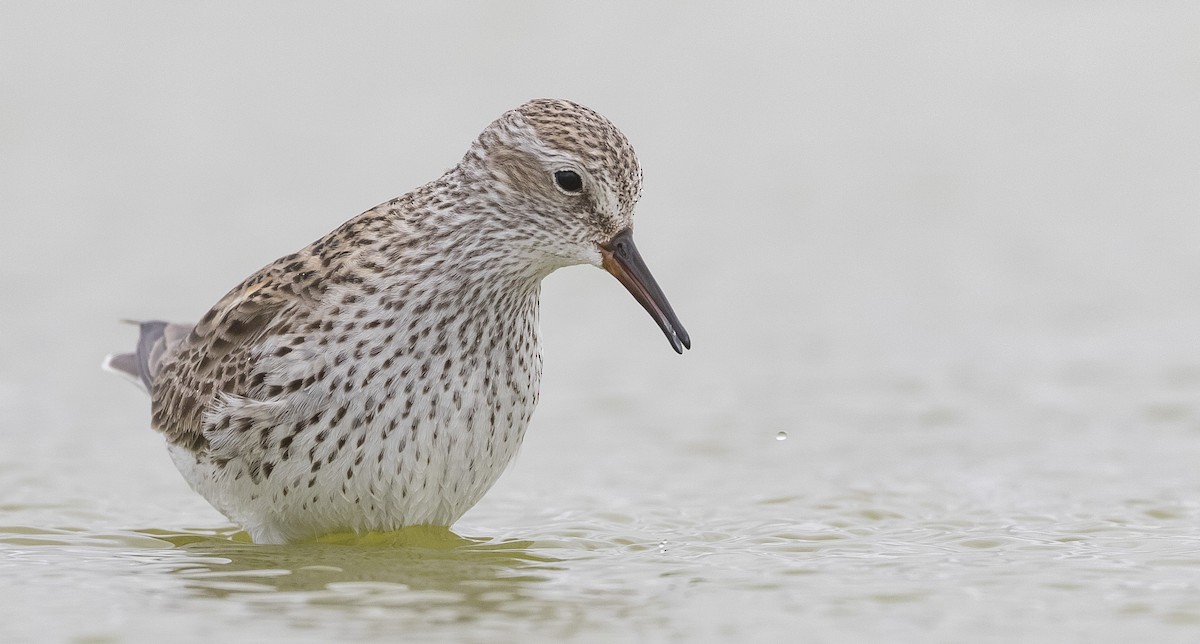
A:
x,y
222,358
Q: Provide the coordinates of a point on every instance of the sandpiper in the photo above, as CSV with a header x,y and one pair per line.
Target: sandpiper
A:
x,y
384,375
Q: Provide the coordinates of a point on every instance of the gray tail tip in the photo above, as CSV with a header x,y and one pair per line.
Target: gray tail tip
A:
x,y
124,365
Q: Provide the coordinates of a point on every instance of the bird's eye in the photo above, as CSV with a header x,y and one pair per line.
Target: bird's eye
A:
x,y
569,181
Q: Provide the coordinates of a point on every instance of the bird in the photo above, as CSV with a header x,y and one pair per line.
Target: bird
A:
x,y
383,376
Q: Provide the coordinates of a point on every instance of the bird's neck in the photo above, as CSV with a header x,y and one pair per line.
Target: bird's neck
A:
x,y
432,264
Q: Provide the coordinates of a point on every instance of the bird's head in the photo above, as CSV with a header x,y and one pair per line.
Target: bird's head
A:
x,y
565,181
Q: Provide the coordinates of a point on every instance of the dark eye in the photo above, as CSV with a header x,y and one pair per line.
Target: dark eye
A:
x,y
569,181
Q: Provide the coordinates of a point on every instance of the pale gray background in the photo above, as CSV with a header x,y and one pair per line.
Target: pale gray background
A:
x,y
949,248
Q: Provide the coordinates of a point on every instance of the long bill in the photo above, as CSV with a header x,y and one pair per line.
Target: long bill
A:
x,y
622,259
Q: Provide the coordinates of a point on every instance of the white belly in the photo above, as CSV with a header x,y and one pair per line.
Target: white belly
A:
x,y
421,452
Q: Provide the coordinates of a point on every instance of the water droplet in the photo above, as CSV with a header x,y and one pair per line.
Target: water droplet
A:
x,y
781,436
662,545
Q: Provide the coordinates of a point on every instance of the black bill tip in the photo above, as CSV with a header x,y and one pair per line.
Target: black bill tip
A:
x,y
622,259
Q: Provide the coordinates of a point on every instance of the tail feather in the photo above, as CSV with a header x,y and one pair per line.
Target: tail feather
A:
x,y
156,341
124,365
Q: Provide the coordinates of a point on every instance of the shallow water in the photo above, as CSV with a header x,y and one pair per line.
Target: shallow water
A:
x,y
938,263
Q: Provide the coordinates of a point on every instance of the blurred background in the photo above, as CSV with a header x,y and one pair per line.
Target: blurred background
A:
x,y
946,250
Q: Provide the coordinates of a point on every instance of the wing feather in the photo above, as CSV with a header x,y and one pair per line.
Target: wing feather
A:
x,y
222,358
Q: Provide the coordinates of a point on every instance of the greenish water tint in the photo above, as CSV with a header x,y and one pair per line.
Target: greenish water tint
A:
x,y
867,564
